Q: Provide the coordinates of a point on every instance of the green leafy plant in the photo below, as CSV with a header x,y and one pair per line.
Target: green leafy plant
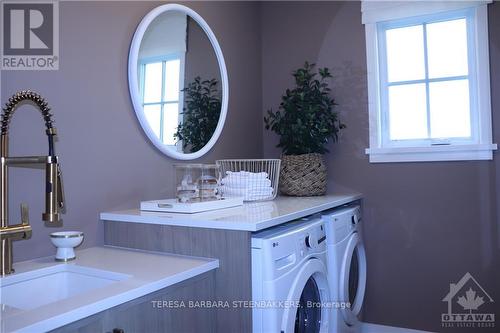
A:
x,y
305,119
200,115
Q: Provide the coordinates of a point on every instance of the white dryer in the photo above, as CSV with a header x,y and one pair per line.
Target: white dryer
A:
x,y
346,267
289,278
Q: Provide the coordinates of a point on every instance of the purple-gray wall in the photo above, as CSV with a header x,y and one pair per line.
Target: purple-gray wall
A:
x,y
426,224
201,59
107,161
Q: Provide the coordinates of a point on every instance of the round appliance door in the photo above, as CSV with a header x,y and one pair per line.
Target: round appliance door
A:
x,y
353,278
308,297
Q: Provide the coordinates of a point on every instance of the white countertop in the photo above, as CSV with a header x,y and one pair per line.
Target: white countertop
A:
x,y
148,271
252,216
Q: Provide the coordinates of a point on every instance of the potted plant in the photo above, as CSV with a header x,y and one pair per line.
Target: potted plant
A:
x,y
305,122
200,115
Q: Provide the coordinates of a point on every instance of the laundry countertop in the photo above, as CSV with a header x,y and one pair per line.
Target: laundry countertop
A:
x,y
252,216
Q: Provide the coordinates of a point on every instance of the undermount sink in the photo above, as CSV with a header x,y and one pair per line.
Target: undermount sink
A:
x,y
36,288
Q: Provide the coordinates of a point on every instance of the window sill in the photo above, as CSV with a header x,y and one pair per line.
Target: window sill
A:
x,y
433,153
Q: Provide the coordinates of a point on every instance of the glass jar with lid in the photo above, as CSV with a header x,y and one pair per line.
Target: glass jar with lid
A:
x,y
196,182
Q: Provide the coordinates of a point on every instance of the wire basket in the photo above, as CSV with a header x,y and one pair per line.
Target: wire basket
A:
x,y
254,180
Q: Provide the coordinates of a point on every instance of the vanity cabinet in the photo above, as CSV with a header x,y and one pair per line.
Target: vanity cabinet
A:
x,y
224,235
167,310
231,247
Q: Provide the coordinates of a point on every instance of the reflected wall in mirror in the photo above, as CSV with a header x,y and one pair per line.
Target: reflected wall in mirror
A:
x,y
178,81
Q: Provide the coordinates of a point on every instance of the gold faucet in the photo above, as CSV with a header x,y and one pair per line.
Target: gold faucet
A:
x,y
54,200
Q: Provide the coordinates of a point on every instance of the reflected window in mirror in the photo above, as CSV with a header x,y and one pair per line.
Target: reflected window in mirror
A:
x,y
160,82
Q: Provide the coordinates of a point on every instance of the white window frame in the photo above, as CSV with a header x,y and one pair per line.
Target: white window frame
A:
x,y
180,102
480,146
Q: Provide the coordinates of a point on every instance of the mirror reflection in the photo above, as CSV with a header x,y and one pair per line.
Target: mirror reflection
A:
x,y
179,82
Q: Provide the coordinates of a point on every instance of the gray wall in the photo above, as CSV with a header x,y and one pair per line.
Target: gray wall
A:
x,y
426,224
107,161
201,59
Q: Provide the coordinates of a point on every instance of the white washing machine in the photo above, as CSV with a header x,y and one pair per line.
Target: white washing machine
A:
x,y
346,267
289,278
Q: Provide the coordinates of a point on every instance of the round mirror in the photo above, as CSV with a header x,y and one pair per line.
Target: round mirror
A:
x,y
178,81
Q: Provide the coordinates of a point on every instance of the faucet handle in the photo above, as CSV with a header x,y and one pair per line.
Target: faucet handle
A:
x,y
18,231
25,220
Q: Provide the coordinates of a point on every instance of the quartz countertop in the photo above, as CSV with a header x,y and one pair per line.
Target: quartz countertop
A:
x,y
146,272
252,216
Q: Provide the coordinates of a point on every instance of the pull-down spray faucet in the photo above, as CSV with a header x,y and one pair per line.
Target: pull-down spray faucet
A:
x,y
54,201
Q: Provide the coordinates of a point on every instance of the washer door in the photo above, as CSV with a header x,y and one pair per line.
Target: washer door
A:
x,y
309,294
353,278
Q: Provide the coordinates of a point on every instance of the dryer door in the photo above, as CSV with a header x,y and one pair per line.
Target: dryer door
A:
x,y
353,278
309,295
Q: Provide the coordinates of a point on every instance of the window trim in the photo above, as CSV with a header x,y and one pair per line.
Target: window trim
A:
x,y
478,149
424,20
181,56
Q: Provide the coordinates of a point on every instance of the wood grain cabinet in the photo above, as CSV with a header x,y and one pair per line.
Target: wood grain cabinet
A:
x,y
172,309
233,278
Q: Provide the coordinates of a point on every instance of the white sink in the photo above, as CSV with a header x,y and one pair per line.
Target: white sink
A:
x,y
36,288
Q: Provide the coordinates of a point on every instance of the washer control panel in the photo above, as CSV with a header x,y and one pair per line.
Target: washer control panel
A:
x,y
313,240
340,223
286,246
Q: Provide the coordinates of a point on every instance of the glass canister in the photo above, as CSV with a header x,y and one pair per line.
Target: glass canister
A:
x,y
196,182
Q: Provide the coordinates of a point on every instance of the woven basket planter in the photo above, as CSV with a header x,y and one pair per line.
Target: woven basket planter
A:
x,y
303,175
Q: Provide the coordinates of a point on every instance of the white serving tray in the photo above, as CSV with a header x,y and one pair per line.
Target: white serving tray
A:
x,y
173,206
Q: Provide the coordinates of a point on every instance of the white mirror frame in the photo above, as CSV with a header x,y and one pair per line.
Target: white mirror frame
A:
x,y
133,82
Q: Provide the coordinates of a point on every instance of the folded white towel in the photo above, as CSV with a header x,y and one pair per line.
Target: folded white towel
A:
x,y
246,182
249,185
248,194
247,174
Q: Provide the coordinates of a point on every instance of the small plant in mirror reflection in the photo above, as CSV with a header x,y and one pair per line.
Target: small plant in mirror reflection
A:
x,y
200,115
305,119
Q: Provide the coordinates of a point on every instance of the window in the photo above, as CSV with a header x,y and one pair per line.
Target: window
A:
x,y
160,88
428,82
